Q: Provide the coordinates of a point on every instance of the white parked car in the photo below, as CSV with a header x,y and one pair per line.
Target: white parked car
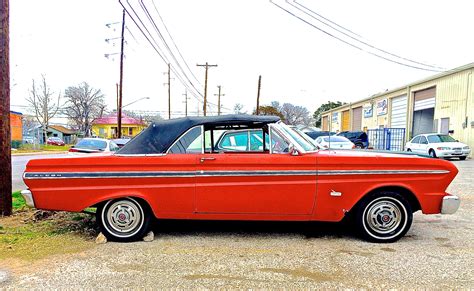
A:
x,y
438,145
334,142
94,145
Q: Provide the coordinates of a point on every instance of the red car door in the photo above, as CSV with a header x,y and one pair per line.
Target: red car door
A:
x,y
255,183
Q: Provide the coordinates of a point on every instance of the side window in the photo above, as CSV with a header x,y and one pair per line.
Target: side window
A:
x,y
235,141
189,143
416,140
278,143
256,141
423,140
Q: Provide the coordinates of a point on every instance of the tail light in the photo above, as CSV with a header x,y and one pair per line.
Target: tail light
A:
x,y
353,146
71,150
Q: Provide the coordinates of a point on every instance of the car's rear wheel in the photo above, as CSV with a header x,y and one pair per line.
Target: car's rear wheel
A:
x,y
124,219
383,217
409,150
432,153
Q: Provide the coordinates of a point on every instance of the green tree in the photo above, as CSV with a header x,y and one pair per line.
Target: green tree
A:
x,y
323,108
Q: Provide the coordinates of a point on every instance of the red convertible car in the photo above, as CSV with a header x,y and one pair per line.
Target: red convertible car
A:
x,y
241,167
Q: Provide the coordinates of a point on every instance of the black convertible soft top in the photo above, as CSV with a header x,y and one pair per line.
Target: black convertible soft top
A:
x,y
160,135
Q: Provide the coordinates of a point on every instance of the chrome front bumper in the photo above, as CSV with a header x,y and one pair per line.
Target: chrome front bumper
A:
x,y
450,204
28,198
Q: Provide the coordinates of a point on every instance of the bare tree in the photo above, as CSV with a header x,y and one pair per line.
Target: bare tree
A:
x,y
295,115
41,99
238,108
83,105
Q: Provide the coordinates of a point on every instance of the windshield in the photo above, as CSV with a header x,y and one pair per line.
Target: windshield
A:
x,y
335,139
440,138
295,136
306,137
92,144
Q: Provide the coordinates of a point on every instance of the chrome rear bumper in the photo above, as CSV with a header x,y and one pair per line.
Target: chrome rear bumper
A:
x,y
450,204
28,198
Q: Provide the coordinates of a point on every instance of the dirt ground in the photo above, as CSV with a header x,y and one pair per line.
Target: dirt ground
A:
x,y
438,252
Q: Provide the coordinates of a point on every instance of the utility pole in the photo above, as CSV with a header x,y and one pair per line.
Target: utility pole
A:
x,y
119,113
258,94
5,146
205,86
169,90
219,100
186,102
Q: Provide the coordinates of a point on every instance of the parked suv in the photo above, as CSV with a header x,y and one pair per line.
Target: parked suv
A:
x,y
359,138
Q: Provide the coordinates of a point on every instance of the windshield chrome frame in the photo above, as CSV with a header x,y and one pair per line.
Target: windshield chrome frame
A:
x,y
282,133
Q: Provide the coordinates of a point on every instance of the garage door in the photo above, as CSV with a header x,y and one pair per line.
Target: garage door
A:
x,y
324,123
423,115
425,99
357,118
399,112
346,119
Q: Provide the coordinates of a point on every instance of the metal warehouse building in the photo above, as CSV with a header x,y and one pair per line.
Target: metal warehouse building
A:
x,y
443,103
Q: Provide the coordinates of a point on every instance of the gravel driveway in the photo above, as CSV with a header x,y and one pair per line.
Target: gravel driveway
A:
x,y
438,252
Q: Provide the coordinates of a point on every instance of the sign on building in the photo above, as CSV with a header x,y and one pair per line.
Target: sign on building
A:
x,y
382,107
368,110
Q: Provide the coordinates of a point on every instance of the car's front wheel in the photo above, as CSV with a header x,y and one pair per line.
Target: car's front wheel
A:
x,y
124,219
383,217
432,153
463,158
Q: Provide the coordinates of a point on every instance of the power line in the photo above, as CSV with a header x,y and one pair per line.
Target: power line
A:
x,y
155,46
355,38
155,26
350,44
174,43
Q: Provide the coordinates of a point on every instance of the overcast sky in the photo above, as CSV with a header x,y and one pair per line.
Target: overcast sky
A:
x,y
65,40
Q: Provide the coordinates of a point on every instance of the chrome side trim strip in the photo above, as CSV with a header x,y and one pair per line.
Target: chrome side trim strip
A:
x,y
379,172
182,174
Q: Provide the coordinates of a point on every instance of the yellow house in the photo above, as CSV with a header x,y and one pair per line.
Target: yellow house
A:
x,y
106,127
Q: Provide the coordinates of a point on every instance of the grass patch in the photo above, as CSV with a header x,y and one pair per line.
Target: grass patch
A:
x,y
30,148
18,202
49,147
24,237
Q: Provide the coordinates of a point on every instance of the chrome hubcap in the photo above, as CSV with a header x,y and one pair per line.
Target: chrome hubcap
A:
x,y
383,216
124,216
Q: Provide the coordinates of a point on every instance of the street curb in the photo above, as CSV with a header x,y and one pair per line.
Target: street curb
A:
x,y
39,153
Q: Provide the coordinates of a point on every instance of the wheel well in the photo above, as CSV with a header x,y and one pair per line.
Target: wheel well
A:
x,y
142,201
411,198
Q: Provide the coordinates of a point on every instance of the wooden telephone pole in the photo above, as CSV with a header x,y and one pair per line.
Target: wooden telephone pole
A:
x,y
205,86
186,102
119,113
169,90
5,146
219,100
258,94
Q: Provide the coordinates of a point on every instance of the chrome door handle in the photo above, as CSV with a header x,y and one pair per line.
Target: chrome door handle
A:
x,y
207,159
